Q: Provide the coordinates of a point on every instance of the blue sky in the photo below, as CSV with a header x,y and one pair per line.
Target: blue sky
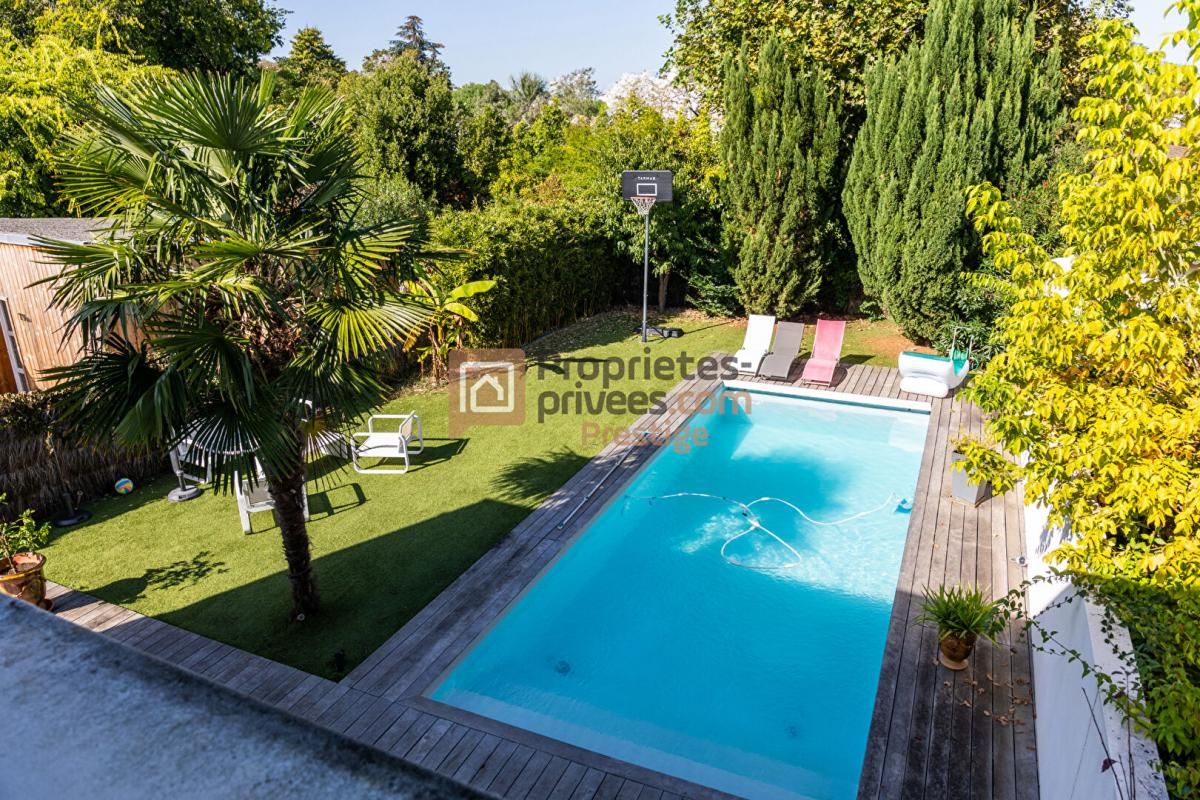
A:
x,y
486,40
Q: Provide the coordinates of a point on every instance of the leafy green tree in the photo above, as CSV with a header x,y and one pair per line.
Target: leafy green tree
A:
x,y
239,301
837,39
311,61
221,35
576,93
782,150
484,141
407,124
411,39
1094,402
535,152
970,102
474,97
42,84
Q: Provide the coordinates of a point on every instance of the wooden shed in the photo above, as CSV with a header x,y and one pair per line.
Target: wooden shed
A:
x,y
31,332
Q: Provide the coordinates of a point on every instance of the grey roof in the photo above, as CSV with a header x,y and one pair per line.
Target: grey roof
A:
x,y
98,719
71,229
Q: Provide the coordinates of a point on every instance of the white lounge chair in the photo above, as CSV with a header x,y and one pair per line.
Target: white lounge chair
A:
x,y
759,330
406,441
933,375
254,497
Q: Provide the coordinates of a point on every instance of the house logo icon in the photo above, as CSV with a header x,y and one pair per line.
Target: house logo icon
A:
x,y
487,387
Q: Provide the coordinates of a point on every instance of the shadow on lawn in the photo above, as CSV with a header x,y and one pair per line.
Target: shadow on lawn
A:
x,y
535,478
171,576
369,591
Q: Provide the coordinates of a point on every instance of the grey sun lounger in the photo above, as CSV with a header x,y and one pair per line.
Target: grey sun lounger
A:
x,y
788,338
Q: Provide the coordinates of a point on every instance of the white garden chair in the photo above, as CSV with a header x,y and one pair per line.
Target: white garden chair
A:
x,y
407,440
255,497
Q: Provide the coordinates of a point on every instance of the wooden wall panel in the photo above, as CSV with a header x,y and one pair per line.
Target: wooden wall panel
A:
x,y
38,327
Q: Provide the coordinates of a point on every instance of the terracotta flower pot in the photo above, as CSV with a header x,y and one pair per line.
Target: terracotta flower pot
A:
x,y
955,651
22,578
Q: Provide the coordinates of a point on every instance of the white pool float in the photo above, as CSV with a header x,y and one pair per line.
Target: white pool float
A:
x,y
933,375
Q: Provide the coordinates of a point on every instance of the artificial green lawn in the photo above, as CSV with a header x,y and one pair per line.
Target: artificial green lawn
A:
x,y
383,545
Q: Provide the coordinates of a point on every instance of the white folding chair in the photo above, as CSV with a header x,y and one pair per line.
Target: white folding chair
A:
x,y
255,497
406,441
187,459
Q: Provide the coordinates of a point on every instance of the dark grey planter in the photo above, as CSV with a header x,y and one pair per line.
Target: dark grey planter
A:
x,y
964,491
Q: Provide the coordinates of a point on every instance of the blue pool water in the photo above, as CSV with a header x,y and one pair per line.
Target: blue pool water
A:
x,y
753,672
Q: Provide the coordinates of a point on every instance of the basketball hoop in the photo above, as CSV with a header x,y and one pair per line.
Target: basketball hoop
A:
x,y
644,203
644,188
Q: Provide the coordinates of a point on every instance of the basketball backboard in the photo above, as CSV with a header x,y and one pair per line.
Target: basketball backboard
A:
x,y
656,183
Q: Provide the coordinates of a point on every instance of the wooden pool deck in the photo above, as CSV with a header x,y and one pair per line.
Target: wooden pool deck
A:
x,y
934,734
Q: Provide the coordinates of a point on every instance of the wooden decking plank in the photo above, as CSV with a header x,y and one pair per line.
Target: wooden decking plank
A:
x,y
372,713
981,724
493,764
346,710
927,677
897,735
512,768
567,782
392,714
650,793
528,776
278,687
1020,714
589,785
545,783
609,787
470,765
428,740
630,790
437,754
461,752
314,704
410,726
128,632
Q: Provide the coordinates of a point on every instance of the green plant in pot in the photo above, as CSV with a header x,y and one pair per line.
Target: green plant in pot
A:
x,y
20,564
962,615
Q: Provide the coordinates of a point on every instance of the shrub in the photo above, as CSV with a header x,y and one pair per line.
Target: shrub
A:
x,y
551,265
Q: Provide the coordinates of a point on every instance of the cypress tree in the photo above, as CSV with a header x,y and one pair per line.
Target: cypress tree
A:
x,y
972,101
782,147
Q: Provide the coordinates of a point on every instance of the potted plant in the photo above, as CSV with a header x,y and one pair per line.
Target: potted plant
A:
x,y
20,563
960,483
962,615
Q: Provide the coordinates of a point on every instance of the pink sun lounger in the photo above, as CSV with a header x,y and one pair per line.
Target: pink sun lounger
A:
x,y
827,350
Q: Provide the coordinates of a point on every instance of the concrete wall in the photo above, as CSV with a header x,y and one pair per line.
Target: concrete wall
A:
x,y
1077,733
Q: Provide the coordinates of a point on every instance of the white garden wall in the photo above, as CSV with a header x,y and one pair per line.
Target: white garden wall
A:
x,y
1076,732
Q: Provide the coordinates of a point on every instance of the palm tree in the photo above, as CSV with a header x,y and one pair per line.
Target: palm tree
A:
x,y
235,296
528,92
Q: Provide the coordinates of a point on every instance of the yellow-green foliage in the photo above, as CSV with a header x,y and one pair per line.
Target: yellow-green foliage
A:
x,y
1099,386
40,82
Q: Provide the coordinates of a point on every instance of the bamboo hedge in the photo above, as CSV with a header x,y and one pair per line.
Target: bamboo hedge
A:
x,y
44,466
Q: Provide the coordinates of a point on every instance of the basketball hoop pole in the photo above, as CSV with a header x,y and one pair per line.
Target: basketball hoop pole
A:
x,y
646,275
644,204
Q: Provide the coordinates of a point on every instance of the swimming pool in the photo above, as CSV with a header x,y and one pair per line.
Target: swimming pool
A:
x,y
746,663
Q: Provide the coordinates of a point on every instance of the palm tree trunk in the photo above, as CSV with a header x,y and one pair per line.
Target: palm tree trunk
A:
x,y
287,492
